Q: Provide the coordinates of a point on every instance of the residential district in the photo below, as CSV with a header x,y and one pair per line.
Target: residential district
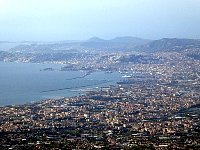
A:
x,y
156,106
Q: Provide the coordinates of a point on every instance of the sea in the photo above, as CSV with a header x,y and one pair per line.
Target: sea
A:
x,y
22,83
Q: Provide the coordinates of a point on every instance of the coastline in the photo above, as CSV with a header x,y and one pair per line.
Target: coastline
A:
x,y
29,73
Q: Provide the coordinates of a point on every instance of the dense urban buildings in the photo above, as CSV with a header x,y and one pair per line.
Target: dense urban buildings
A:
x,y
99,74
155,106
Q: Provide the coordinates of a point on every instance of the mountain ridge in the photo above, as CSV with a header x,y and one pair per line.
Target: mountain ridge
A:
x,y
126,43
171,44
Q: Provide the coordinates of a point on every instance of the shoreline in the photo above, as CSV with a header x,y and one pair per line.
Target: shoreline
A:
x,y
59,98
24,97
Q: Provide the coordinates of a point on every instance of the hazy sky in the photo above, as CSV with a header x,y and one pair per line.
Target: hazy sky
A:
x,y
81,19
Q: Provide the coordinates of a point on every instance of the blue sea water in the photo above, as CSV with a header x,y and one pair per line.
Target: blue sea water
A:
x,y
22,83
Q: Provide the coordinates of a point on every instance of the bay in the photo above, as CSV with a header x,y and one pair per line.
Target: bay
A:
x,y
22,83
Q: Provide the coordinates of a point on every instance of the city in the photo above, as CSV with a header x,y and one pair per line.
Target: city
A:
x,y
99,75
156,106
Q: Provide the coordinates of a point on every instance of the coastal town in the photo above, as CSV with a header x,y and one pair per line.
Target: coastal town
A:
x,y
99,75
155,106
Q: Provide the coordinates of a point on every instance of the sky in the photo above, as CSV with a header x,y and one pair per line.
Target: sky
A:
x,y
54,20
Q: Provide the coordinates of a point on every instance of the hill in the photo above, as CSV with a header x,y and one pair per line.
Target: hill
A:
x,y
170,44
118,43
94,43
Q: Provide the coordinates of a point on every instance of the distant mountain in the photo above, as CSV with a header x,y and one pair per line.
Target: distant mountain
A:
x,y
170,44
94,43
118,43
95,39
129,39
